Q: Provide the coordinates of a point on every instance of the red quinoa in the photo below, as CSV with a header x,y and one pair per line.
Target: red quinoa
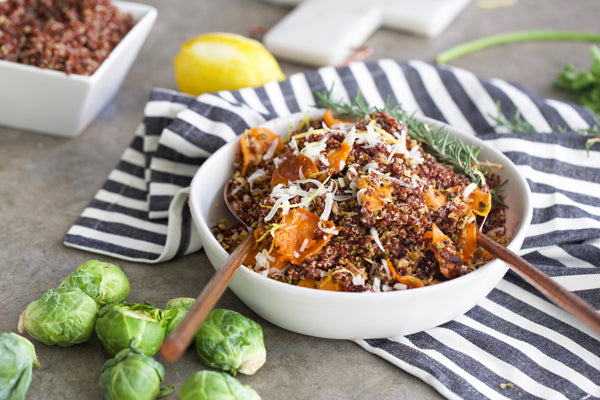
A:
x,y
72,36
385,222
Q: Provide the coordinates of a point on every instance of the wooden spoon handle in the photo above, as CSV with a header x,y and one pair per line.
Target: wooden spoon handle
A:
x,y
179,340
542,282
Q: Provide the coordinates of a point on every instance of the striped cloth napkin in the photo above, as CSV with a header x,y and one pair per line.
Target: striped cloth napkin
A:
x,y
515,344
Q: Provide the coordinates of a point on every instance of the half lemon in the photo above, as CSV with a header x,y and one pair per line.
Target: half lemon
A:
x,y
223,61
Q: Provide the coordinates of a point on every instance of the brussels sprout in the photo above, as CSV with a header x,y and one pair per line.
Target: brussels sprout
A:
x,y
17,355
132,375
175,310
229,341
212,385
62,317
102,281
118,323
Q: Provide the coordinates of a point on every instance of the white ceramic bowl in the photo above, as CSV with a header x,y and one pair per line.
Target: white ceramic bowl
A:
x,y
341,315
52,102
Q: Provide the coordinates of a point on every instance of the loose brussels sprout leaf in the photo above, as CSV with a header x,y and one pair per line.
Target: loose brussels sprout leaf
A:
x,y
118,323
212,385
102,281
229,341
175,310
132,375
62,317
17,355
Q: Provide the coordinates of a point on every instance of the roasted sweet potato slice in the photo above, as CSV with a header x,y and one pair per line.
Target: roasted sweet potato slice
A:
x,y
337,158
274,258
467,243
478,201
299,235
330,120
255,143
293,167
435,198
323,284
410,281
445,252
375,196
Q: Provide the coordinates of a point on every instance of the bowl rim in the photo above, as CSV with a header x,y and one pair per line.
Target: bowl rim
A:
x,y
146,13
289,119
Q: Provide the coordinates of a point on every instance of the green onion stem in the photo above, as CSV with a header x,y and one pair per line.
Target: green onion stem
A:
x,y
511,37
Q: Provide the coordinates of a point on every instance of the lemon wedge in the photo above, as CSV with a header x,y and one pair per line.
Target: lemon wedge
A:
x,y
223,61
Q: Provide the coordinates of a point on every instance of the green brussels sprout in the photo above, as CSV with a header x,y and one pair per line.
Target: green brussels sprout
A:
x,y
212,385
132,375
62,317
175,310
102,281
17,356
229,341
118,323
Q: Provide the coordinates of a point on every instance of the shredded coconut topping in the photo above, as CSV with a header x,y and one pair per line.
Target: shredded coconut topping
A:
x,y
386,269
269,154
283,194
468,190
375,237
313,150
376,284
331,231
351,136
294,145
328,206
358,280
259,173
263,260
304,244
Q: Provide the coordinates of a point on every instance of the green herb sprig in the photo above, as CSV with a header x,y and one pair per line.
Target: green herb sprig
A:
x,y
358,108
584,87
518,124
515,124
582,84
455,153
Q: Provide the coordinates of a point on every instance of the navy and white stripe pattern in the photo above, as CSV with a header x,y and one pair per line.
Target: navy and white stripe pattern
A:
x,y
513,345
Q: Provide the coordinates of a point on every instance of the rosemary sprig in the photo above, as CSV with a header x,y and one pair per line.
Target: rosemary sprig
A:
x,y
518,124
496,194
515,124
356,109
460,156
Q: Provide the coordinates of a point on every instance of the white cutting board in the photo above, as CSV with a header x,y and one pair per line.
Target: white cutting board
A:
x,y
326,32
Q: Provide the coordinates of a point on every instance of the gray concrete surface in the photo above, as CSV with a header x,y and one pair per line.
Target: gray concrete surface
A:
x,y
45,182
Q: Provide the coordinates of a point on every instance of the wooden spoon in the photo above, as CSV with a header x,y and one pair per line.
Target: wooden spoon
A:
x,y
542,282
179,340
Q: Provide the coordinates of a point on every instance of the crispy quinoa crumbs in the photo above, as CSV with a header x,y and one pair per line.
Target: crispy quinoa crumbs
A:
x,y
378,212
72,36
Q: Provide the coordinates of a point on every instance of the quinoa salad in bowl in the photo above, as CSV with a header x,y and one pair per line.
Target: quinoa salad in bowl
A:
x,y
365,224
357,206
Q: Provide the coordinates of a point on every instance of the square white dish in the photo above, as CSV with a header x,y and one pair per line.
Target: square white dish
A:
x,y
52,102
